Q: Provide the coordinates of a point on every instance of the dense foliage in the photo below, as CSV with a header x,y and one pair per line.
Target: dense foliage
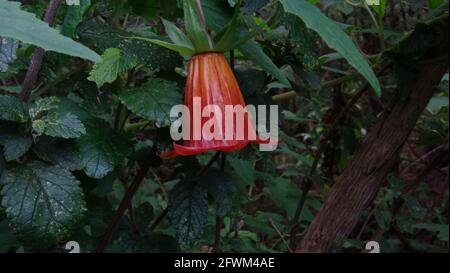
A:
x,y
80,143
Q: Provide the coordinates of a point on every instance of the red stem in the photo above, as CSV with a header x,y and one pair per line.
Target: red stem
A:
x,y
38,55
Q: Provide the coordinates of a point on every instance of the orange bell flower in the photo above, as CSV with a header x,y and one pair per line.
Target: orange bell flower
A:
x,y
212,82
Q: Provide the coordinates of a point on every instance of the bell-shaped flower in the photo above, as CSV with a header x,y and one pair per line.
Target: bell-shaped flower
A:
x,y
217,117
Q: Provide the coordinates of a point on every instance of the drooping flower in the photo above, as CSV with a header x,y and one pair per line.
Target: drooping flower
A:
x,y
211,85
228,127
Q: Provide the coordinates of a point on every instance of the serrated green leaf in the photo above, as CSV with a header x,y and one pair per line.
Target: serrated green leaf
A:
x,y
334,36
67,126
44,203
61,153
39,126
42,106
12,109
24,26
222,188
14,148
188,211
153,100
14,145
102,36
47,120
101,149
112,64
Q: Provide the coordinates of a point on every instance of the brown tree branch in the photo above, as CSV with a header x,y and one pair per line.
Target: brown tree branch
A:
x,y
360,181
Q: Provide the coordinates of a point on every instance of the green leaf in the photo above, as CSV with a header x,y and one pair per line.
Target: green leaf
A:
x,y
250,81
67,126
188,211
383,217
441,229
46,120
437,103
176,35
303,40
102,36
42,106
24,26
244,170
14,145
57,152
196,31
8,55
334,36
112,64
12,109
73,18
101,149
227,40
44,203
144,8
153,100
433,4
183,50
284,194
222,188
8,240
252,6
255,53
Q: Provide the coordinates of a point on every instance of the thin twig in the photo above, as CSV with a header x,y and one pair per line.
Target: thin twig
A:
x,y
280,234
38,55
161,184
232,59
159,219
216,246
218,228
123,206
209,164
132,217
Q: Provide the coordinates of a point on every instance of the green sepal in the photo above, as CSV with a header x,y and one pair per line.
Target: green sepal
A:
x,y
176,35
195,30
225,40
